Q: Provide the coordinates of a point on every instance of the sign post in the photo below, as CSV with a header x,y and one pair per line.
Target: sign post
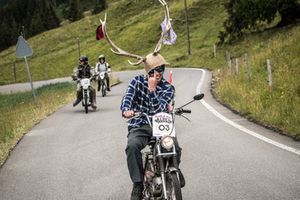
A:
x,y
22,51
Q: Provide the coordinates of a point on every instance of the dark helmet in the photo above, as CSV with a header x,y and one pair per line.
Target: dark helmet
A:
x,y
84,59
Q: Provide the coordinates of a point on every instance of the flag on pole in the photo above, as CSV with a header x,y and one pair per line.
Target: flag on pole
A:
x,y
99,32
171,36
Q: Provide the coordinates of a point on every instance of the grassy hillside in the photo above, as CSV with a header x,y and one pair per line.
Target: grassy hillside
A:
x,y
55,51
135,26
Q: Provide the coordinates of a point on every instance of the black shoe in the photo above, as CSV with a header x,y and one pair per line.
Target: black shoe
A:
x,y
181,178
77,101
108,89
137,191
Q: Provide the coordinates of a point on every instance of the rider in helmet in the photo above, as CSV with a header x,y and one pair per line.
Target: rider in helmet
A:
x,y
84,70
103,66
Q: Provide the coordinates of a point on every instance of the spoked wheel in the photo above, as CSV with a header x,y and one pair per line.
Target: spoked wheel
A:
x,y
173,187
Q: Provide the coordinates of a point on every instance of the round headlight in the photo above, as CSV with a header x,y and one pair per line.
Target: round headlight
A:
x,y
167,142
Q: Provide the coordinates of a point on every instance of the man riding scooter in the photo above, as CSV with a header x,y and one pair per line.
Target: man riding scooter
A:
x,y
84,70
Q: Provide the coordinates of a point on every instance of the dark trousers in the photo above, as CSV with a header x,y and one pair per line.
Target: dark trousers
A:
x,y
137,140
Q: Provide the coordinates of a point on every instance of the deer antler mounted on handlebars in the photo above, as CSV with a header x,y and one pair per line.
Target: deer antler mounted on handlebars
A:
x,y
151,59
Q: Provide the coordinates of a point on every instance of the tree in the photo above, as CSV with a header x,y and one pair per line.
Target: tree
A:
x,y
73,13
246,15
100,5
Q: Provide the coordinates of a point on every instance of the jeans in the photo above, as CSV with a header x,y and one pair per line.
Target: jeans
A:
x,y
137,140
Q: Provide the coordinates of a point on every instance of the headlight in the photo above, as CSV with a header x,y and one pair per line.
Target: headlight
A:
x,y
167,142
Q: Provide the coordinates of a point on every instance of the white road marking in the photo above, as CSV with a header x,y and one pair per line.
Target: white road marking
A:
x,y
230,122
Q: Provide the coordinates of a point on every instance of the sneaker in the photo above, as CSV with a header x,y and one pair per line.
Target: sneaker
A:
x,y
181,178
137,191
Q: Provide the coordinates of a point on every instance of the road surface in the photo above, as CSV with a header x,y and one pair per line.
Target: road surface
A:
x,y
73,155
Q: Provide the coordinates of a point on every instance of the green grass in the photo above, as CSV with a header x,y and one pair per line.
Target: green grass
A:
x,y
55,54
277,107
19,112
55,51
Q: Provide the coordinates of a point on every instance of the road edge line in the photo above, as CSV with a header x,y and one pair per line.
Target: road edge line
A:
x,y
237,126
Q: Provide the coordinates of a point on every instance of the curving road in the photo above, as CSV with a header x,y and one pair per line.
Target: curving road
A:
x,y
71,155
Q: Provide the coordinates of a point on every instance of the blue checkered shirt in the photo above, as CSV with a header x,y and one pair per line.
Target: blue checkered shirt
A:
x,y
139,99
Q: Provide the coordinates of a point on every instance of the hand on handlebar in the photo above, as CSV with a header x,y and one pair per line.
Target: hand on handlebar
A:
x,y
128,113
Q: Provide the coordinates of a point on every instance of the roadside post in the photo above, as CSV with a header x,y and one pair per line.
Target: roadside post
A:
x,y
22,51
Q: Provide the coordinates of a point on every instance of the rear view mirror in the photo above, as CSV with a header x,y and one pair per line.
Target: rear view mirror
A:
x,y
198,97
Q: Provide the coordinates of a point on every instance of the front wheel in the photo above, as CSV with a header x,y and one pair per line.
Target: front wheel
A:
x,y
103,89
173,187
86,104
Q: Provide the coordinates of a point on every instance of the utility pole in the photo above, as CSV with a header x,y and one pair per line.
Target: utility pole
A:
x,y
78,46
187,27
23,32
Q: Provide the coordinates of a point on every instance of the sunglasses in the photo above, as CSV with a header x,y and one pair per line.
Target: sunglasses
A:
x,y
159,69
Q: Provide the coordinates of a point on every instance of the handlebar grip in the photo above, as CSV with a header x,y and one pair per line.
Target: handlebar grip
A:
x,y
186,111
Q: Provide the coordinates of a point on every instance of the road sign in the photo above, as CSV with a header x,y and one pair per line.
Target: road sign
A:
x,y
23,49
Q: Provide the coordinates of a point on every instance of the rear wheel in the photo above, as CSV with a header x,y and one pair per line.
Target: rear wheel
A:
x,y
173,187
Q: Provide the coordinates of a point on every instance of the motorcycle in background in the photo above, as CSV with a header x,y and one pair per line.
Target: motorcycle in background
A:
x,y
86,91
101,81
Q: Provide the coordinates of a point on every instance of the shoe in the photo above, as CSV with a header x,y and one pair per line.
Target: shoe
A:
x,y
137,191
93,106
108,89
78,98
77,101
181,178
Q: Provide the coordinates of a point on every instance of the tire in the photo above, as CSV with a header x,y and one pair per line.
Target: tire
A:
x,y
86,104
103,90
173,187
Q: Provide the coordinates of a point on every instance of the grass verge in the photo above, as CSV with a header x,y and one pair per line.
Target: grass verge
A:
x,y
20,113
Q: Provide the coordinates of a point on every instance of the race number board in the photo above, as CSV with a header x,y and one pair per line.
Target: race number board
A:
x,y
163,125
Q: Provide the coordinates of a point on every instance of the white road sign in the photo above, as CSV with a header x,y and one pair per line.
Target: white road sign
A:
x,y
23,49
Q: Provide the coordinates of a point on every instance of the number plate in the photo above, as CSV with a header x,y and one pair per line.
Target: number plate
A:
x,y
85,83
163,125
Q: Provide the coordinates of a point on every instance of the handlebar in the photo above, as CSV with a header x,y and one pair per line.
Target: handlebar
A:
x,y
180,111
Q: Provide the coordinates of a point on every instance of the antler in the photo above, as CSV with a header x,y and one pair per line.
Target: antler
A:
x,y
115,49
168,26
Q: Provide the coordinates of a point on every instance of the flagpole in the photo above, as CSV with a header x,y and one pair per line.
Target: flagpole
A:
x,y
187,27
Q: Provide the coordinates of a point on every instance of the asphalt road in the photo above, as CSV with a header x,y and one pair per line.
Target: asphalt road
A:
x,y
73,155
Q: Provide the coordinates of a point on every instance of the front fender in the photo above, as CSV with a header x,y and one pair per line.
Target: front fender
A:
x,y
172,169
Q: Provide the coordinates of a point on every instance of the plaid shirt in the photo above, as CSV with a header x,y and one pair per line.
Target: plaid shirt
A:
x,y
139,99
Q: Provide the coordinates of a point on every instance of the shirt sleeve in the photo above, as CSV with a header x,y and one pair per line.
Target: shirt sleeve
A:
x,y
126,103
160,103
